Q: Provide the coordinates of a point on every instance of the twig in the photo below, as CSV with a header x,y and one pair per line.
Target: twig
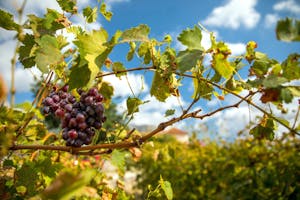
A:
x,y
14,58
127,70
110,146
242,98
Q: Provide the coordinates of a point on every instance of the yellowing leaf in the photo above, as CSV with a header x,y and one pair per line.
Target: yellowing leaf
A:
x,y
139,33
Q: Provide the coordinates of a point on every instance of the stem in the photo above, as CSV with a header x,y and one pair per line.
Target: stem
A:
x,y
127,70
242,98
14,58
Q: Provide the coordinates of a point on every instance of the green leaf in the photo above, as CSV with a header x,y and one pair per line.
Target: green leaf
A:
x,y
133,105
159,88
80,76
67,185
288,30
118,159
286,95
191,38
7,21
169,112
273,81
106,14
107,91
144,51
201,89
261,132
68,5
93,52
131,51
26,55
48,53
295,90
90,14
188,59
136,34
167,188
26,176
291,67
117,67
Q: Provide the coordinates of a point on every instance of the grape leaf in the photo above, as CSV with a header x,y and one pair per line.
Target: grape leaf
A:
x,y
7,21
26,176
48,53
167,188
135,34
67,185
90,14
222,65
201,89
107,91
159,88
286,95
79,76
133,105
26,56
273,81
295,90
117,67
68,5
288,30
291,67
131,51
106,14
188,59
118,159
191,38
91,48
169,112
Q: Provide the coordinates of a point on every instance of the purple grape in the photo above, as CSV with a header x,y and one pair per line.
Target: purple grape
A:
x,y
97,125
48,101
68,107
82,125
72,134
80,117
72,123
60,113
65,88
89,100
55,98
82,135
99,109
90,111
93,92
99,98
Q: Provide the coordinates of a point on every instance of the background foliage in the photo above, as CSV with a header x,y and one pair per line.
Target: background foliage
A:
x,y
244,169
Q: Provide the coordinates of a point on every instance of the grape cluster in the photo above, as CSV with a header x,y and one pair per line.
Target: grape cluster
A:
x,y
80,118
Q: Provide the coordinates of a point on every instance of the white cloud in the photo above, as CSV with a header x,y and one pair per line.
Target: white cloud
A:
x,y
234,14
152,113
288,5
237,48
121,87
270,20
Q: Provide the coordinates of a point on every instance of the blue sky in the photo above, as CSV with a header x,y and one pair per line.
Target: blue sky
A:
x,y
233,21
